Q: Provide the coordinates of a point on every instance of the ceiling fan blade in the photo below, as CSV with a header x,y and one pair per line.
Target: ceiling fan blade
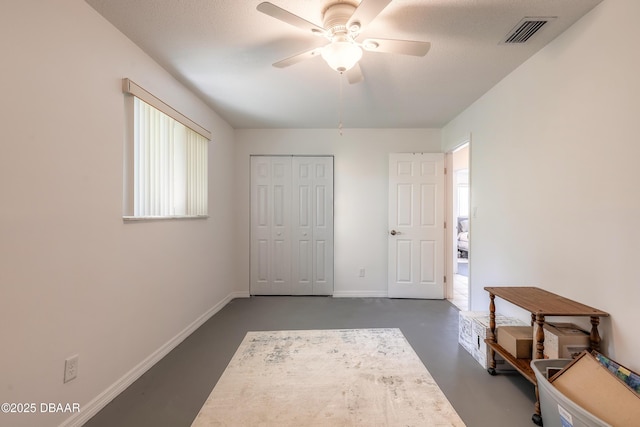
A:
x,y
366,11
354,75
404,47
288,17
298,58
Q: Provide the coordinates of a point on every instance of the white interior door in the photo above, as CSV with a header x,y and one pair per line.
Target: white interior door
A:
x,y
416,225
312,225
291,225
270,225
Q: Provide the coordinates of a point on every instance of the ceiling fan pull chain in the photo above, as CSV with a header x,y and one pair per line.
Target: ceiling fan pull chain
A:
x,y
340,104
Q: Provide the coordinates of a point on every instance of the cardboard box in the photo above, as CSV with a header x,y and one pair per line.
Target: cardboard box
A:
x,y
484,359
517,340
591,386
465,329
467,338
473,329
563,340
481,329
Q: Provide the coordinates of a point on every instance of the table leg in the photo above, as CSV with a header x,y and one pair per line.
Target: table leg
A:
x,y
492,334
539,337
595,336
537,418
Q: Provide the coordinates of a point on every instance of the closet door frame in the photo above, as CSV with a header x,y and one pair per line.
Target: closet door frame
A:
x,y
291,228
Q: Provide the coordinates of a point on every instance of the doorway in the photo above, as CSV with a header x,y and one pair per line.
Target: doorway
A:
x,y
459,195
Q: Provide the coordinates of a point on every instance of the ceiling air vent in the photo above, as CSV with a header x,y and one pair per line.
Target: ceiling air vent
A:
x,y
526,29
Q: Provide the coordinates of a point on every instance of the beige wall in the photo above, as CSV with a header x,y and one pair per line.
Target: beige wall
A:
x,y
74,279
554,169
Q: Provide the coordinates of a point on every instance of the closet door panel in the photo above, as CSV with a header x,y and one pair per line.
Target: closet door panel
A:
x,y
270,226
291,225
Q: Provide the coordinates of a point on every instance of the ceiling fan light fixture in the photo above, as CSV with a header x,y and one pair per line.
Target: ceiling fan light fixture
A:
x,y
342,55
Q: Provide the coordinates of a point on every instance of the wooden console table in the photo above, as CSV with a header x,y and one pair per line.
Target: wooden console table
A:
x,y
539,303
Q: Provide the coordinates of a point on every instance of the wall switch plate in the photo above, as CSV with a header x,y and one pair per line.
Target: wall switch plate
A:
x,y
362,272
70,368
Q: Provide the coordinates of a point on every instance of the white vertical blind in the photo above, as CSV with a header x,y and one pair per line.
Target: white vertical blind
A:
x,y
170,166
196,188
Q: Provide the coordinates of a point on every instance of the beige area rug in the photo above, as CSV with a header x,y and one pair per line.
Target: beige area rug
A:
x,y
351,377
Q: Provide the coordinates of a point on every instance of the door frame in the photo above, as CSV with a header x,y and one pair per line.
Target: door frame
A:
x,y
327,288
450,241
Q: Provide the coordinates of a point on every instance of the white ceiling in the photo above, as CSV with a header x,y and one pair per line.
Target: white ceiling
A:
x,y
223,51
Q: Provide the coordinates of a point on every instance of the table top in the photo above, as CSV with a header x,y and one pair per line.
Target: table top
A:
x,y
539,301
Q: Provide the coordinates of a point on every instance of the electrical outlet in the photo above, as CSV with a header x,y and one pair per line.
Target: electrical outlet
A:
x,y
70,368
362,272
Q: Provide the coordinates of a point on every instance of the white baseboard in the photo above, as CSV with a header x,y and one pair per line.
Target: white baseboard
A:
x,y
100,401
360,294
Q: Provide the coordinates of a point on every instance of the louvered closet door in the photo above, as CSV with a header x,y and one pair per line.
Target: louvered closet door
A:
x,y
291,225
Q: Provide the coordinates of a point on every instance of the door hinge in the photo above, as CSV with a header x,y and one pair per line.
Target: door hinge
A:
x,y
445,171
445,279
445,224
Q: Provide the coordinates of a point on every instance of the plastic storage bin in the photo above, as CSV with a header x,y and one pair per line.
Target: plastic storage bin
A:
x,y
557,410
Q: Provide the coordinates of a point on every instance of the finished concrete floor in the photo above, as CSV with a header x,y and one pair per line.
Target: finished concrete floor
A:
x,y
173,391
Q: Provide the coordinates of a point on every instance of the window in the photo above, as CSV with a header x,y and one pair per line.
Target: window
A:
x,y
166,166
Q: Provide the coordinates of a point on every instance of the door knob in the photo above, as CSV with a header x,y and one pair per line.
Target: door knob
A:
x,y
394,232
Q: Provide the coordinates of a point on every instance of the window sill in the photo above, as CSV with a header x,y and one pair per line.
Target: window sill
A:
x,y
162,218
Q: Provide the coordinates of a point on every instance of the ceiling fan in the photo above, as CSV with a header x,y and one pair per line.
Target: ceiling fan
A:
x,y
343,22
